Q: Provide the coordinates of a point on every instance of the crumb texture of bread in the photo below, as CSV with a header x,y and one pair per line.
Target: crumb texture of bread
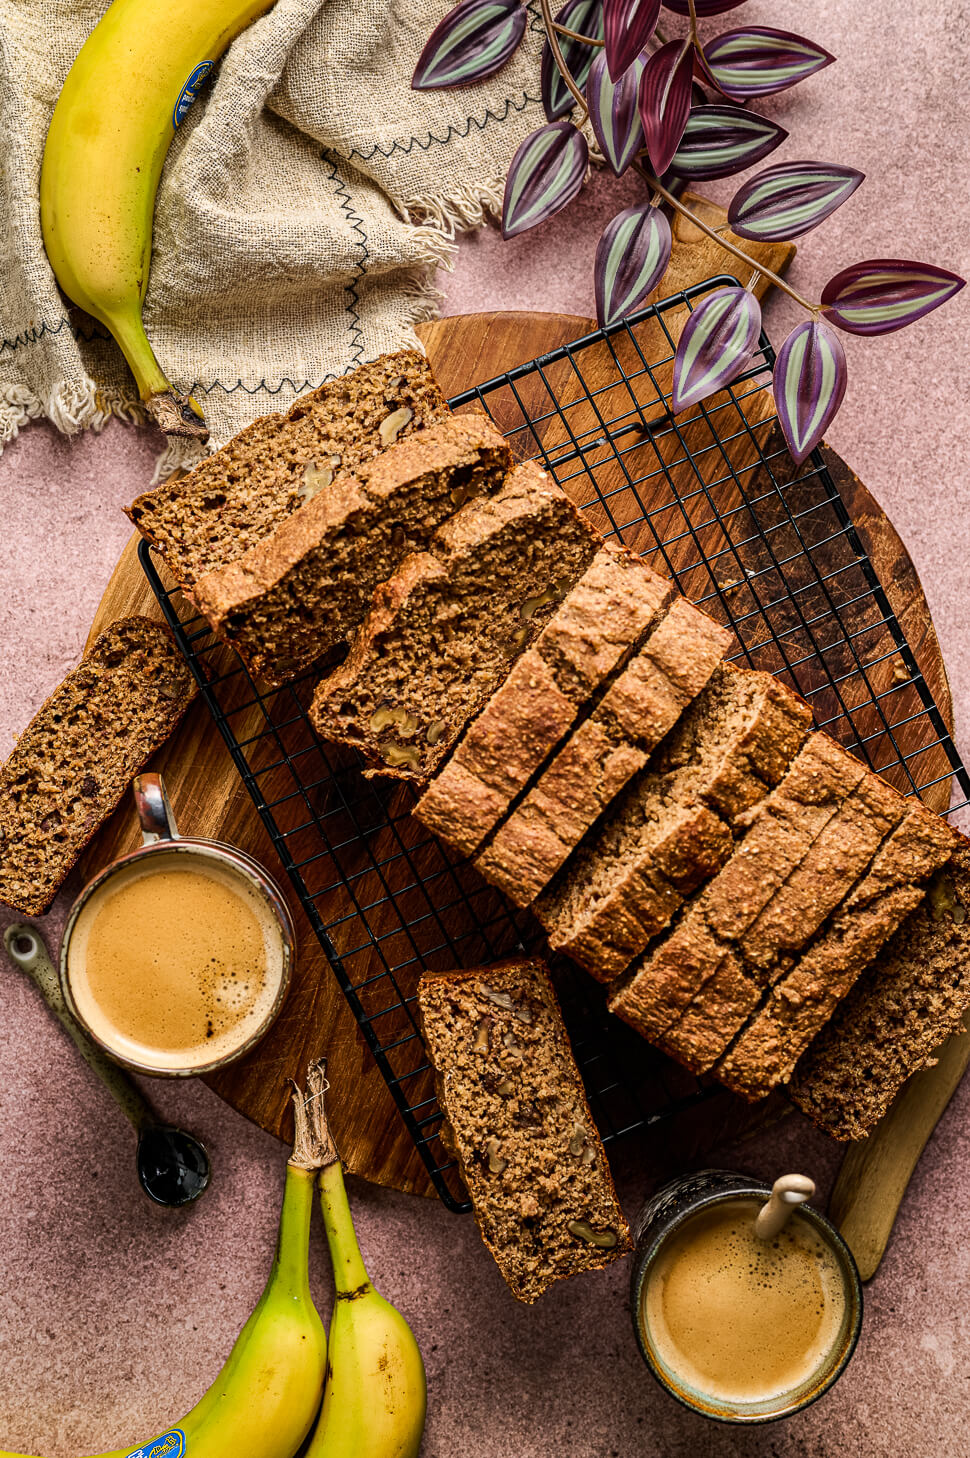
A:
x,y
302,591
519,1122
447,626
76,758
234,498
589,638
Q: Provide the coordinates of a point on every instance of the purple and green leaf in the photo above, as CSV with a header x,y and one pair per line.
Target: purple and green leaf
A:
x,y
628,25
758,61
631,258
718,340
790,199
721,140
546,173
614,112
665,101
585,17
808,385
884,294
470,43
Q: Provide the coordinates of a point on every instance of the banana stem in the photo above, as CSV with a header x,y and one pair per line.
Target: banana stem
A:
x,y
349,1272
289,1274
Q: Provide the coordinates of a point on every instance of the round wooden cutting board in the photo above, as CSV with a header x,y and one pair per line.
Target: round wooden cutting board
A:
x,y
209,799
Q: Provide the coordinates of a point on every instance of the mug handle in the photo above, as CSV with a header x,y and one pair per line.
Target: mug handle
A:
x,y
154,810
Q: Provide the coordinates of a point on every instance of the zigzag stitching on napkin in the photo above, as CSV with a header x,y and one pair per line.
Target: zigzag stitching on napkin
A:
x,y
357,225
32,336
452,132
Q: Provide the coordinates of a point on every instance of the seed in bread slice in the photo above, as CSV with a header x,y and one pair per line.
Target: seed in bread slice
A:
x,y
241,493
519,1123
76,758
449,623
300,592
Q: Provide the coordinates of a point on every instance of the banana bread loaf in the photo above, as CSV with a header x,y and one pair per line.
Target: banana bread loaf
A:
x,y
76,758
912,997
241,493
447,626
302,590
590,637
520,1125
605,752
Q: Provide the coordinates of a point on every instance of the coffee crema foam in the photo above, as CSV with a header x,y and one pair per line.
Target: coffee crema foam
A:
x,y
739,1319
176,962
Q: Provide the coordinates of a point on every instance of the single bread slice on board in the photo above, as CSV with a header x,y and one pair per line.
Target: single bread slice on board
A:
x,y
801,1003
605,752
241,493
826,874
447,626
912,997
519,1123
76,758
782,829
670,829
303,590
599,625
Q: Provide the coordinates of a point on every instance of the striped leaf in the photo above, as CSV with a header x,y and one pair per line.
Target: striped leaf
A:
x,y
759,60
470,43
546,173
665,101
631,258
703,7
628,25
614,112
721,140
808,385
790,199
719,339
586,17
884,294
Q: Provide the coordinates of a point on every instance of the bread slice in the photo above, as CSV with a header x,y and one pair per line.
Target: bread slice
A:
x,y
782,828
520,1126
798,1005
241,493
670,830
605,752
446,628
303,590
75,759
912,997
813,889
590,636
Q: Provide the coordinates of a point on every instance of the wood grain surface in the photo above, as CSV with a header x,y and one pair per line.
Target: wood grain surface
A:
x,y
209,799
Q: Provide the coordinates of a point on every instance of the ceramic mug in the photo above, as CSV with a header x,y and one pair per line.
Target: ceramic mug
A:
x,y
163,848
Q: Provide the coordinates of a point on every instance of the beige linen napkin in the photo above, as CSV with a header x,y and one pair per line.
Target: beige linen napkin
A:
x,y
306,202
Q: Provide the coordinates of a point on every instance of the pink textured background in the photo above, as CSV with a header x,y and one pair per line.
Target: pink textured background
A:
x,y
114,1315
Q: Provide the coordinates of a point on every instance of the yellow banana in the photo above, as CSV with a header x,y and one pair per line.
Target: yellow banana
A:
x,y
375,1399
264,1401
132,82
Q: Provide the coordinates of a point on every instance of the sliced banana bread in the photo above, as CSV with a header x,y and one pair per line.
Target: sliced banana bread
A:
x,y
75,759
670,829
448,624
801,1003
605,752
520,1125
911,998
590,636
704,936
303,590
241,493
824,876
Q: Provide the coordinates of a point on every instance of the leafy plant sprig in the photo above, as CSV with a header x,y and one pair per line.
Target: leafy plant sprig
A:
x,y
607,62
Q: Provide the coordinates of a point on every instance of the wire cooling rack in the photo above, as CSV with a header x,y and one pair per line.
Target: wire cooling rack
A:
x,y
712,498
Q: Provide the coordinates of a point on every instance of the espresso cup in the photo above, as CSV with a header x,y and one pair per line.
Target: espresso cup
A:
x,y
741,1330
177,958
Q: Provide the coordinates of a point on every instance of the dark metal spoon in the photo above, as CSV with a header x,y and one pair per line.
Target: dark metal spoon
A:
x,y
173,1167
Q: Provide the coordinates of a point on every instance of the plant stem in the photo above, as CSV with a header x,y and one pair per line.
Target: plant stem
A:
x,y
685,212
692,10
557,56
587,40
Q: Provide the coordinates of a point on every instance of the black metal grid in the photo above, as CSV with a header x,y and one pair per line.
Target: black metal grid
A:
x,y
711,497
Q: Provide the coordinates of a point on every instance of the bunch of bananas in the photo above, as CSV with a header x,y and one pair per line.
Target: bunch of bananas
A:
x,y
266,1399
